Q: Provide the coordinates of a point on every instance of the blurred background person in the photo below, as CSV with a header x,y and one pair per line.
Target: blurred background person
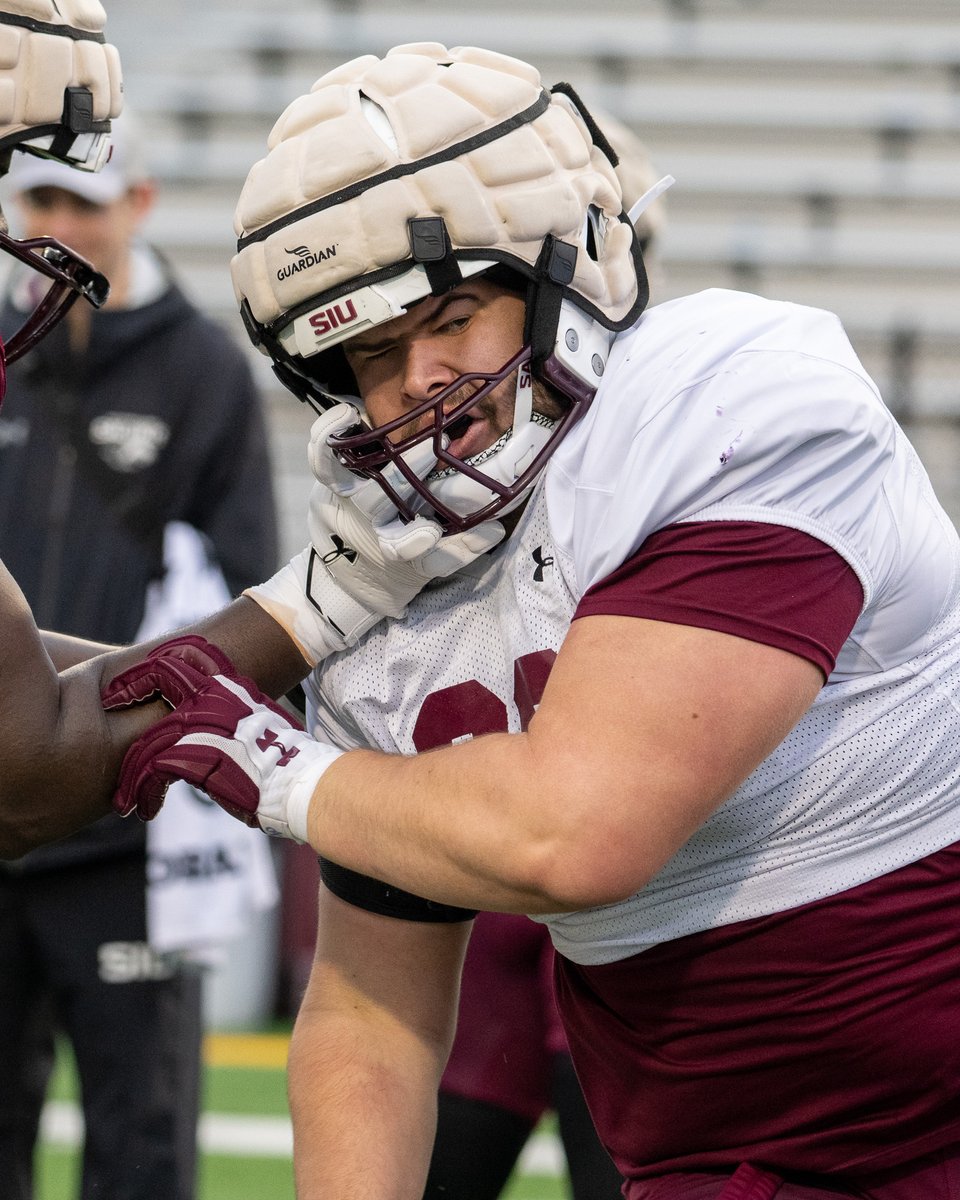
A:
x,y
135,489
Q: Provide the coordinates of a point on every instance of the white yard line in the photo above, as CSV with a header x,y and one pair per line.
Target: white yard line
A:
x,y
267,1137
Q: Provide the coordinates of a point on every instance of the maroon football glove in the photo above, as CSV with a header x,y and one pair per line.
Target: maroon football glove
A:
x,y
224,736
140,682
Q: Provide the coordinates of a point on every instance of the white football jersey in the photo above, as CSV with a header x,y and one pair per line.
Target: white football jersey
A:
x,y
719,406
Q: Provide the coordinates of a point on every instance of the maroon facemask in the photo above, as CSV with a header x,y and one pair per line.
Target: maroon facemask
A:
x,y
67,276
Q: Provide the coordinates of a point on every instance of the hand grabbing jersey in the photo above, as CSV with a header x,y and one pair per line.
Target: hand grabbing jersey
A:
x,y
223,736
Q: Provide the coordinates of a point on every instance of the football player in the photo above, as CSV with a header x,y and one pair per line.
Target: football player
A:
x,y
687,693
61,87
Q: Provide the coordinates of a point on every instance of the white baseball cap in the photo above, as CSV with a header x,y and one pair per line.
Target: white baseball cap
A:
x,y
124,168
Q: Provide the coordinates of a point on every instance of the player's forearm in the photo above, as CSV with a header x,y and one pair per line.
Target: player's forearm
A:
x,y
489,824
61,752
66,651
372,1036
256,644
61,774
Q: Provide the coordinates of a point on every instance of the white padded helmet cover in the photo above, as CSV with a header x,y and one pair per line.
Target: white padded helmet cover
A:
x,y
536,179
45,48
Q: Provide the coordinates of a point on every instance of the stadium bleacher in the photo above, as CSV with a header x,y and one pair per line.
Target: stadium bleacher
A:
x,y
814,142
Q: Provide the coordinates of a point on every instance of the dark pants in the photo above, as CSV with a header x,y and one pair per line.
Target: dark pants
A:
x,y
73,956
478,1145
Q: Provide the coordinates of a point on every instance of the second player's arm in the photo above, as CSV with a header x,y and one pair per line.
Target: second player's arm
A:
x,y
61,752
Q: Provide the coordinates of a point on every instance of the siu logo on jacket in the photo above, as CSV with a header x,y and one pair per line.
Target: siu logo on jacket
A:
x,y
129,442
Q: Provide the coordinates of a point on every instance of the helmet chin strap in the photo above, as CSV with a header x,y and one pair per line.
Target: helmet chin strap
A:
x,y
523,396
641,205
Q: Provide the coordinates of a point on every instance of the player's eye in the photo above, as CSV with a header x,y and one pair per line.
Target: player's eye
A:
x,y
454,324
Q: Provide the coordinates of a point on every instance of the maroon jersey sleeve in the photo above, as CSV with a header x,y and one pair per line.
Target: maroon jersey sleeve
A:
x,y
766,583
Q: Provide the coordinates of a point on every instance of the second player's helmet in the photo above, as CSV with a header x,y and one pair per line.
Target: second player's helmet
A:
x,y
396,178
60,86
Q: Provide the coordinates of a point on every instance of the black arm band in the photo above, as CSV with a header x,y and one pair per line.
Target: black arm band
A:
x,y
363,892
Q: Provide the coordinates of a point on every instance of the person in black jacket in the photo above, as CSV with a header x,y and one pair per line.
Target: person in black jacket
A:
x,y
118,424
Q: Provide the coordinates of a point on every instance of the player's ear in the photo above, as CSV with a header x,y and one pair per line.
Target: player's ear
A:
x,y
142,196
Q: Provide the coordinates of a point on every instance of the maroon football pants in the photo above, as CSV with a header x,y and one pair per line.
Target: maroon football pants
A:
x,y
934,1177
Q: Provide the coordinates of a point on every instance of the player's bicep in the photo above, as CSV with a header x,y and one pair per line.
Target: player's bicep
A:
x,y
648,727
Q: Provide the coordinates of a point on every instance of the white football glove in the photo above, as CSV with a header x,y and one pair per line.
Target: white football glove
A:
x,y
363,563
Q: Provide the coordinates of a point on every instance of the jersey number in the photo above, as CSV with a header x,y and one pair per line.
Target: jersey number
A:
x,y
469,709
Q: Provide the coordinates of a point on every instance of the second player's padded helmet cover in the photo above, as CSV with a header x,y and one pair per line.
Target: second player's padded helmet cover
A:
x,y
60,86
394,179
60,81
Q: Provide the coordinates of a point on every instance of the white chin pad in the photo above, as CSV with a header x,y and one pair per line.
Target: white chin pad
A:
x,y
503,462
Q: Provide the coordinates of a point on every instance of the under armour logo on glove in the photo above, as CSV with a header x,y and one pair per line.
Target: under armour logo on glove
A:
x,y
210,703
340,550
269,739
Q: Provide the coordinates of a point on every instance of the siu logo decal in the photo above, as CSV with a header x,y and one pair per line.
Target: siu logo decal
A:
x,y
269,739
305,257
333,317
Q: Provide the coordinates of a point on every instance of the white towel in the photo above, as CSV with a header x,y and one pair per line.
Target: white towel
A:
x,y
208,874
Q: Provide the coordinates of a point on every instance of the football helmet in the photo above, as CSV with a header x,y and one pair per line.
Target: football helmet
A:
x,y
395,179
60,86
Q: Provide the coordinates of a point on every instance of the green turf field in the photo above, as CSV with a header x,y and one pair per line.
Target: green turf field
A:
x,y
234,1091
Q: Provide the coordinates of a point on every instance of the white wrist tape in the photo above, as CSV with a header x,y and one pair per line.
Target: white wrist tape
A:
x,y
285,597
285,795
346,618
